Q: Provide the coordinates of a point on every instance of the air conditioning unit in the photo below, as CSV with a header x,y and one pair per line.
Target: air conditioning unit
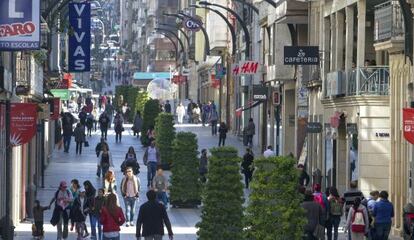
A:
x,y
335,84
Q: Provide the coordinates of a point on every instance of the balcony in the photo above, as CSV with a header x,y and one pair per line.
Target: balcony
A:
x,y
389,27
372,80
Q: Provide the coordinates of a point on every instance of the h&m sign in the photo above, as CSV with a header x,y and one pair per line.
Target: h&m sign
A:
x,y
80,39
245,68
306,55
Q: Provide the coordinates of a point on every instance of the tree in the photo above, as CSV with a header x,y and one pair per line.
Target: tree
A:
x,y
275,202
222,213
140,101
185,190
165,134
151,111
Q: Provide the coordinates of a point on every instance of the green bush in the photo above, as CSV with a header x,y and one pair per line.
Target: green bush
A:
x,y
151,111
140,101
274,210
131,95
165,134
222,213
185,188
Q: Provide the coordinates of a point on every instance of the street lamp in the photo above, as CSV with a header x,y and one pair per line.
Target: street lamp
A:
x,y
172,41
177,28
242,23
232,31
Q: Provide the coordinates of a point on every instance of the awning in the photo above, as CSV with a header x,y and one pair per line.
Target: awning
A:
x,y
249,105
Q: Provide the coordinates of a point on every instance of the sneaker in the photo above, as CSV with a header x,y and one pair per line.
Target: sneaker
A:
x,y
131,223
127,224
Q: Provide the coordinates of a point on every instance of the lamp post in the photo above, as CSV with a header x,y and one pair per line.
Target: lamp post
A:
x,y
179,29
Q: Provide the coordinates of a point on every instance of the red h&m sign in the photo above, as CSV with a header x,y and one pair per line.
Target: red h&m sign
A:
x,y
179,79
245,68
408,122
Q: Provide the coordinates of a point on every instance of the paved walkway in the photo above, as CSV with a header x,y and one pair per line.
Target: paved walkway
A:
x,y
66,166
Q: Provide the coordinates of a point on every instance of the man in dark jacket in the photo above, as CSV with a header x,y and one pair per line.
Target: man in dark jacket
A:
x,y
167,107
313,213
67,124
304,178
152,216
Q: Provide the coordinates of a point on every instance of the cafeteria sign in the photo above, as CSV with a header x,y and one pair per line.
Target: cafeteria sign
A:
x,y
19,25
307,55
23,117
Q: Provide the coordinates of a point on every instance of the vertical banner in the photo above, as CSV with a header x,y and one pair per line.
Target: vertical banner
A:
x,y
408,124
23,118
54,115
19,25
80,39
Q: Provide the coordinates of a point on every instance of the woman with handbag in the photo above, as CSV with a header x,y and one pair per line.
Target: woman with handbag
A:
x,y
111,218
314,214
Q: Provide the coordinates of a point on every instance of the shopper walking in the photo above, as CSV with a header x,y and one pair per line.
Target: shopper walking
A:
x,y
357,221
205,112
351,195
167,107
250,132
130,161
95,215
213,118
383,213
60,217
136,127
313,214
160,186
111,218
190,107
67,122
151,160
104,122
335,213
196,114
90,205
203,166
304,178
80,137
105,160
130,188
152,217
78,216
180,113
222,134
38,218
119,127
74,188
247,166
110,182
109,109
269,152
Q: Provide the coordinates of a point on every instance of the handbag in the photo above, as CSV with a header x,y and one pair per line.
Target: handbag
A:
x,y
319,232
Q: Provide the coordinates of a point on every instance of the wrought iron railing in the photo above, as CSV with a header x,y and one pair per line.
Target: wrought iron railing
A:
x,y
372,80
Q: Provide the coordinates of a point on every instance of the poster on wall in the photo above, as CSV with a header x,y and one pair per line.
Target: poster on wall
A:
x,y
80,40
23,118
408,124
55,113
19,25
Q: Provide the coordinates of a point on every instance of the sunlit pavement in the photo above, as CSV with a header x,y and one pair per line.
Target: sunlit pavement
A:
x,y
66,166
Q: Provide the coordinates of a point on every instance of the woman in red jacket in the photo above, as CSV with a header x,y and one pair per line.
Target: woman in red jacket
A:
x,y
112,218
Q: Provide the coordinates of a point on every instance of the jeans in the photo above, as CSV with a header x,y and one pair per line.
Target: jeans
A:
x,y
250,140
153,237
104,133
222,141
62,233
247,178
333,222
104,171
129,208
214,127
66,142
95,222
79,147
118,136
112,238
152,168
382,231
162,197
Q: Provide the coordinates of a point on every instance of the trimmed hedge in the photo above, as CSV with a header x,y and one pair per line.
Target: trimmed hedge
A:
x,y
222,213
185,190
275,203
151,111
165,134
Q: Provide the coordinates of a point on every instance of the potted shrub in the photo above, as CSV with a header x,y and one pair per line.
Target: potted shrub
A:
x,y
165,134
185,190
275,202
151,111
222,212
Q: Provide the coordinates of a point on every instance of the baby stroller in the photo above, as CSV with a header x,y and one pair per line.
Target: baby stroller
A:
x,y
408,221
37,233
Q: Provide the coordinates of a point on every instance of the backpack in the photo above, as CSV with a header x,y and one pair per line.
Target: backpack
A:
x,y
335,206
105,160
358,222
318,197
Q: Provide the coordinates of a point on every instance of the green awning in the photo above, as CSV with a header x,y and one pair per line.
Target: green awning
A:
x,y
63,94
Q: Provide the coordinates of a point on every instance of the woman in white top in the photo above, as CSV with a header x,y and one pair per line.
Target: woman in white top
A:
x,y
357,221
180,113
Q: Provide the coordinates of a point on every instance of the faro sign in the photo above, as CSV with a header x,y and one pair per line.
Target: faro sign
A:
x,y
192,25
80,39
19,25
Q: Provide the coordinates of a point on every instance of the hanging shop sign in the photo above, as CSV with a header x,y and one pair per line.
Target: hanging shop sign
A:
x,y
276,98
23,117
54,108
408,124
245,68
179,79
260,92
305,55
192,25
19,25
220,71
80,40
314,127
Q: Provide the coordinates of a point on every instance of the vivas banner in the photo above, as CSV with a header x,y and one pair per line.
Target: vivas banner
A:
x,y
80,40
23,117
19,25
306,55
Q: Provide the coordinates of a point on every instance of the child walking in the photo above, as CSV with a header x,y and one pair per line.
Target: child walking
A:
x,y
78,217
38,220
